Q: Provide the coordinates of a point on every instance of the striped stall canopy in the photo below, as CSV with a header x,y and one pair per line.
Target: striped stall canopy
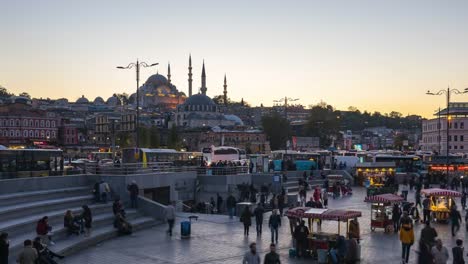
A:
x,y
329,214
440,192
384,198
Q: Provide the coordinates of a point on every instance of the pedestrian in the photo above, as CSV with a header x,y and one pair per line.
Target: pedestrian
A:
x,y
231,205
417,197
281,198
404,189
87,217
457,253
117,207
424,254
354,230
212,205
104,190
396,214
170,217
29,255
96,193
325,198
455,218
428,235
274,223
4,248
272,257
251,257
439,253
351,252
246,219
463,200
300,234
133,190
426,209
411,183
406,237
219,203
259,211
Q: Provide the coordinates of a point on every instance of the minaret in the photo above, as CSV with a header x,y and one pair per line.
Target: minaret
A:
x,y
225,91
169,72
190,75
203,80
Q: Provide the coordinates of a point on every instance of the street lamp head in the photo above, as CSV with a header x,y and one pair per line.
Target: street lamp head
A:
x,y
120,67
154,64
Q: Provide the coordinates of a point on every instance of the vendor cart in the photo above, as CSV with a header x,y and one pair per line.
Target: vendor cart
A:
x,y
441,202
321,242
381,210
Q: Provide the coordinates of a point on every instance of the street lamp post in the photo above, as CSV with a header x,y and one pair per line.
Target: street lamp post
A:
x,y
137,66
447,92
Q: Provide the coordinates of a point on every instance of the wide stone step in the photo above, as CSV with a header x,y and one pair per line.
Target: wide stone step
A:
x,y
26,197
60,233
27,224
26,209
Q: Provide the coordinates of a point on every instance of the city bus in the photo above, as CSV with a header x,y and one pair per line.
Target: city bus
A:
x,y
294,160
30,162
172,156
223,153
404,163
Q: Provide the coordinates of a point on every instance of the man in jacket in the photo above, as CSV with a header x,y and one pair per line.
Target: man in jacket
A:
x,y
133,190
251,257
170,217
259,211
457,253
300,234
428,235
455,218
272,257
28,255
274,223
231,205
440,253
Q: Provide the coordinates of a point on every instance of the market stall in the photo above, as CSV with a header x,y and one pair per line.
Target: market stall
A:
x,y
441,202
323,241
381,210
377,177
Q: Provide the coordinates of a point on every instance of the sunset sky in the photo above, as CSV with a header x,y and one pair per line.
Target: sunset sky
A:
x,y
374,55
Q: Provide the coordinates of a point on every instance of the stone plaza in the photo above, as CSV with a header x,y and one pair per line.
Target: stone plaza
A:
x,y
217,239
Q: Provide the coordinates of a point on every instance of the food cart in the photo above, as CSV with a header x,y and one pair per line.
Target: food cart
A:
x,y
376,177
441,202
322,242
341,184
381,210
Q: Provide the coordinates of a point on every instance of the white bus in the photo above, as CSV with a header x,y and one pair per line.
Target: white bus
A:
x,y
223,153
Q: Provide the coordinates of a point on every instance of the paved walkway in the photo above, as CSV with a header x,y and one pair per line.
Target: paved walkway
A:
x,y
216,239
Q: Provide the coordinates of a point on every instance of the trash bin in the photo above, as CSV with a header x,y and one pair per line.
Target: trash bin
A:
x,y
322,256
185,227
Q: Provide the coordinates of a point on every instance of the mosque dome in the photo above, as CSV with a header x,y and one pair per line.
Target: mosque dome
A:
x,y
98,100
199,99
156,80
235,119
82,100
112,100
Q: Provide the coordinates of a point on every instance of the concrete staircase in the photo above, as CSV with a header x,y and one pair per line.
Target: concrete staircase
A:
x,y
292,185
19,213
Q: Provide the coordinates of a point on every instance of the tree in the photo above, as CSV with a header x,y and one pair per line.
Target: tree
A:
x,y
124,98
277,130
324,122
174,139
25,94
4,92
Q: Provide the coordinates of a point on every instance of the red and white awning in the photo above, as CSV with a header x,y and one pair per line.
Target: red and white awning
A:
x,y
384,198
440,192
329,214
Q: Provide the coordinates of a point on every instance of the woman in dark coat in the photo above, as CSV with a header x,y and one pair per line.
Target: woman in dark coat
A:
x,y
88,219
246,219
4,248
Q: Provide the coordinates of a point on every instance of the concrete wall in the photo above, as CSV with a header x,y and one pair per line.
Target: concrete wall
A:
x,y
222,184
151,208
46,183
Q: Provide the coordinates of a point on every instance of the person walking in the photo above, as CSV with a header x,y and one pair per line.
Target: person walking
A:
x,y
170,217
272,257
455,218
231,205
4,248
463,200
404,189
246,219
424,254
440,253
251,257
325,198
406,237
457,253
281,198
426,210
274,223
87,217
396,214
354,230
259,211
417,198
219,203
428,235
300,234
133,190
29,255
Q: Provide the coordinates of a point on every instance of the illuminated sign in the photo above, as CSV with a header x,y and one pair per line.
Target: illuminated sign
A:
x,y
442,168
